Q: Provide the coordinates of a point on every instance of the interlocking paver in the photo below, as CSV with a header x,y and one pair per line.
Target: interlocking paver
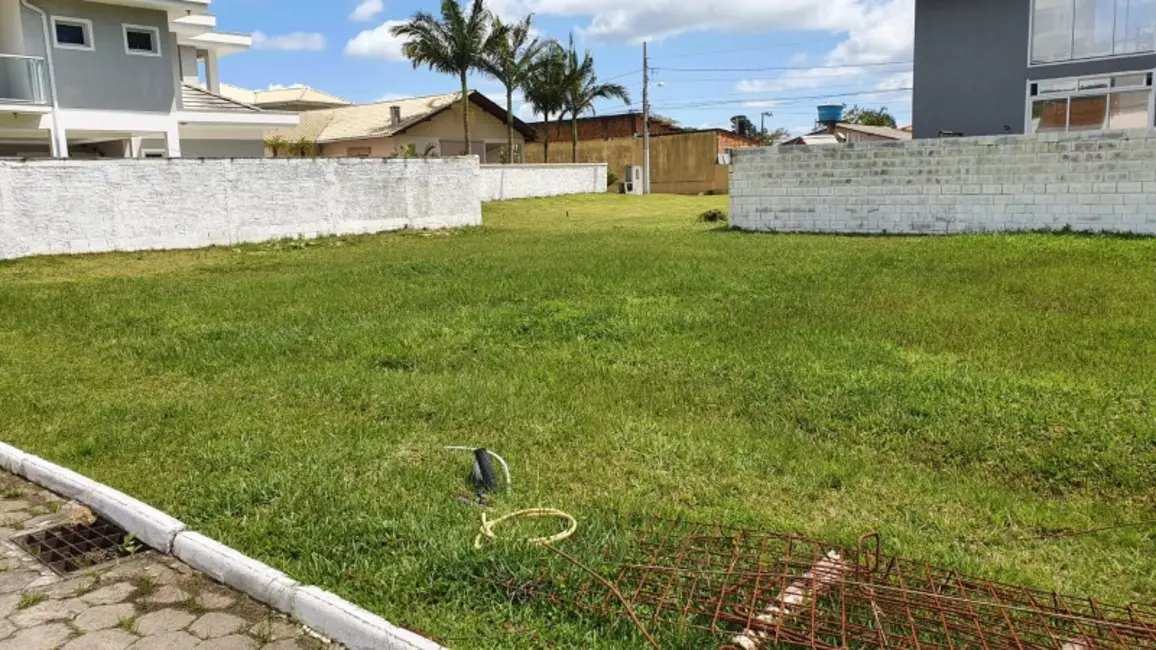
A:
x,y
103,640
231,642
167,641
41,637
109,595
104,617
143,602
165,620
217,624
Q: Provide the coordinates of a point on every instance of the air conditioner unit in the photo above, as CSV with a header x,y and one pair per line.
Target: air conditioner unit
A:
x,y
634,180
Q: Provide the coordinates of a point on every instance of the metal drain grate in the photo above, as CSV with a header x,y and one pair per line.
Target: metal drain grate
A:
x,y
69,548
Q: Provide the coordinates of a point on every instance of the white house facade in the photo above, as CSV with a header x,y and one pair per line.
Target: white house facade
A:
x,y
121,78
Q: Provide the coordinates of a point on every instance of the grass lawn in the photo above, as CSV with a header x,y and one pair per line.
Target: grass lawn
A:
x,y
956,394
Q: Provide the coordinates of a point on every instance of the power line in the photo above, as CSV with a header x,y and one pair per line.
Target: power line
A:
x,y
754,48
731,102
625,74
804,67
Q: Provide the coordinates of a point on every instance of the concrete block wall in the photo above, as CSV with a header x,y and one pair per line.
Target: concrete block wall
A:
x,y
79,206
505,182
1093,181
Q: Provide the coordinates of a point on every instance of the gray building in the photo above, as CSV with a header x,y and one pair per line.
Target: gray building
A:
x,y
121,78
985,67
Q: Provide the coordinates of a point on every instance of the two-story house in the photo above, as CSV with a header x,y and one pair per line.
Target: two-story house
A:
x,y
985,67
121,78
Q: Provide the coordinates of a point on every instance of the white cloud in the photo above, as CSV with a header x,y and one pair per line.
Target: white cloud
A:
x,y
285,86
367,11
388,97
297,41
799,58
766,104
377,43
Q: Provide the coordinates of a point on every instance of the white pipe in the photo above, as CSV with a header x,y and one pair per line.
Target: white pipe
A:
x,y
59,148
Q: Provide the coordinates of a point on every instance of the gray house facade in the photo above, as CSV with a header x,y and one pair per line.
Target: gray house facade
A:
x,y
121,78
988,67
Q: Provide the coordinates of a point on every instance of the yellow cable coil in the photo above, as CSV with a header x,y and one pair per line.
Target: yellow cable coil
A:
x,y
487,529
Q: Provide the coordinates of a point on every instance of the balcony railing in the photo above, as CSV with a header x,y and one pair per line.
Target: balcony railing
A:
x,y
23,80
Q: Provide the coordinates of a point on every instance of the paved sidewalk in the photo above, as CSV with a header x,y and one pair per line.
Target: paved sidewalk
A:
x,y
143,602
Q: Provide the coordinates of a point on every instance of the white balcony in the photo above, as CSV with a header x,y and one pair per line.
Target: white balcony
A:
x,y
23,82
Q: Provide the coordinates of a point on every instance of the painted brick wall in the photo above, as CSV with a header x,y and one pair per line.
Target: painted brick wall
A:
x,y
1098,181
78,206
505,182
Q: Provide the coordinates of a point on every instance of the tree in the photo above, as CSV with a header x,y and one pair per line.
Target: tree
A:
x,y
455,44
742,125
276,144
776,136
509,58
583,90
869,117
545,87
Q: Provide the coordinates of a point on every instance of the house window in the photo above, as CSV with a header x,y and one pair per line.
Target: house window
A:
x,y
1122,101
72,33
359,152
1067,30
142,41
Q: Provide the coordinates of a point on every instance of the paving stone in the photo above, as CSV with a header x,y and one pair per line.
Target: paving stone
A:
x,y
45,520
293,644
8,603
14,581
231,642
49,610
103,617
104,640
109,595
276,629
14,517
169,641
167,595
41,637
8,505
165,620
215,600
6,629
216,624
70,587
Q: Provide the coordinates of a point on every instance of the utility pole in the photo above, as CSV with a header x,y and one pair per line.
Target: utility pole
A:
x,y
766,114
645,120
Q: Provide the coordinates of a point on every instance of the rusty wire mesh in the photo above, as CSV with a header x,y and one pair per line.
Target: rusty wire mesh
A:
x,y
762,590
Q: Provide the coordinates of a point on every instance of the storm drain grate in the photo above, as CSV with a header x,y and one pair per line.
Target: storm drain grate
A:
x,y
74,547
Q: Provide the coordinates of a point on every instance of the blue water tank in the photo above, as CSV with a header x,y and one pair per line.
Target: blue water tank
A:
x,y
831,113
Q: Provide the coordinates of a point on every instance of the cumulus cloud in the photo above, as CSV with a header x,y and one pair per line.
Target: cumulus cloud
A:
x,y
295,42
367,11
377,43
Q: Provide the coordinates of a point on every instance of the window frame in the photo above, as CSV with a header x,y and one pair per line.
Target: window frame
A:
x,y
84,23
156,36
368,150
1149,86
1072,46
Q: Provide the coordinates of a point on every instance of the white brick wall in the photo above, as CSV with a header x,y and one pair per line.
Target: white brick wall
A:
x,y
77,206
1099,181
505,182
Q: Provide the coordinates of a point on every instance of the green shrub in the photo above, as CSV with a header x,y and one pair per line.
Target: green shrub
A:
x,y
611,179
713,216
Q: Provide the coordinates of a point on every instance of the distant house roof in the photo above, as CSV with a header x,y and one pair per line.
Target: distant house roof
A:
x,y
814,138
293,94
877,131
362,121
199,99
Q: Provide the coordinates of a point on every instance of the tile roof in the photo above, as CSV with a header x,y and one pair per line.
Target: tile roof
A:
x,y
281,95
199,99
880,131
363,121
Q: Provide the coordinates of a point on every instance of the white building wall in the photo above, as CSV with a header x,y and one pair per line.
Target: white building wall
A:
x,y
1098,181
505,182
78,206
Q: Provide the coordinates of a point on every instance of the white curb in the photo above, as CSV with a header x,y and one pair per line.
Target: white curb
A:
x,y
353,626
12,459
241,572
150,525
326,613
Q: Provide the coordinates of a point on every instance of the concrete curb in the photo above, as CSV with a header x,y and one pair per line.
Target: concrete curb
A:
x,y
324,612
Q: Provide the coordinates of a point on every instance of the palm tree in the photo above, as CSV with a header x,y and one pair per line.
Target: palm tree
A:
x,y
545,87
453,45
583,89
509,58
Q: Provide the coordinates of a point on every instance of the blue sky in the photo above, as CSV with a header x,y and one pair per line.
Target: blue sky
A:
x,y
712,59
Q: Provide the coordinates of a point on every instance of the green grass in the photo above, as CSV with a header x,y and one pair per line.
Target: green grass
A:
x,y
292,399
